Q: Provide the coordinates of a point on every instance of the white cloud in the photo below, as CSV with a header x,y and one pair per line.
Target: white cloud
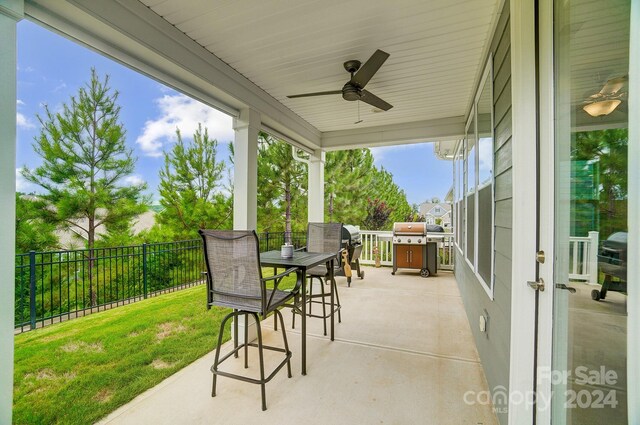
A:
x,y
179,111
22,185
381,152
23,122
21,119
60,87
134,180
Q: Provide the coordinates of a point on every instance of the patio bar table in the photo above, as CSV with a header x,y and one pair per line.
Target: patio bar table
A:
x,y
304,261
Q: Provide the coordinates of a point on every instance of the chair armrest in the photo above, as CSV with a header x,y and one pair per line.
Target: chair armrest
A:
x,y
276,281
280,275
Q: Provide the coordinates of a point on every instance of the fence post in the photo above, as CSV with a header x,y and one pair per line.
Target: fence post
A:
x,y
144,270
593,256
267,238
32,288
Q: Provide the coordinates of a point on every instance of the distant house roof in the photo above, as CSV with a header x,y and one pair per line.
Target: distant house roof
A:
x,y
431,208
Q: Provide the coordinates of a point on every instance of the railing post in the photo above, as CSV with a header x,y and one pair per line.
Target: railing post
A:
x,y
144,269
32,288
267,239
593,256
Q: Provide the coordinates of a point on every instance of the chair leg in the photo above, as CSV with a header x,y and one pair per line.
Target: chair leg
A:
x,y
246,340
235,334
296,300
260,354
324,308
310,293
286,344
335,288
233,314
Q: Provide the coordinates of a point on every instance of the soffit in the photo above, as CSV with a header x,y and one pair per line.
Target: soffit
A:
x,y
292,47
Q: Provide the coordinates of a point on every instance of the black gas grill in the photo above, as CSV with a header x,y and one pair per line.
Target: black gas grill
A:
x,y
612,262
352,242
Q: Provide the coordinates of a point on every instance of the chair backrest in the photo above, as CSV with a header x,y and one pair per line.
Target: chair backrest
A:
x,y
324,237
233,265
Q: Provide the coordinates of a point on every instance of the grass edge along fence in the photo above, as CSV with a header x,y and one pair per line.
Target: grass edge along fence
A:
x,y
55,286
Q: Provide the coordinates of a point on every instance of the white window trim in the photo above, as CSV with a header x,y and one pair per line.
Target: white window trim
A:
x,y
487,77
470,119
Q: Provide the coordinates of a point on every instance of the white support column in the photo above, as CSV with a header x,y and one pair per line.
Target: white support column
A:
x,y
245,170
524,110
315,203
11,11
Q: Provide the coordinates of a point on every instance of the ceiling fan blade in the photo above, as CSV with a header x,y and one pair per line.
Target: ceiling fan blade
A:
x,y
320,93
370,67
374,100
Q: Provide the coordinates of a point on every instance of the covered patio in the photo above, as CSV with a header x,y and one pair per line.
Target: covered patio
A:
x,y
393,360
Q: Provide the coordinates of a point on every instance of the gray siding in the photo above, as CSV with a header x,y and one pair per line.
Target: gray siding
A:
x,y
493,346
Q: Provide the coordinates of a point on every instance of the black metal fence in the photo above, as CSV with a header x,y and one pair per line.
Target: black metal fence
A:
x,y
59,285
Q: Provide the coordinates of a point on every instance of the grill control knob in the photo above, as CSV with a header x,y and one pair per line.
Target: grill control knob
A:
x,y
399,240
419,240
408,240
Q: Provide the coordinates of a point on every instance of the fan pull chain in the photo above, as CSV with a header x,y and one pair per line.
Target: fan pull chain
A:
x,y
359,120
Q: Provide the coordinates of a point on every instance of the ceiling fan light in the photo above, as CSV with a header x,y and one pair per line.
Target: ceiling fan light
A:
x,y
601,108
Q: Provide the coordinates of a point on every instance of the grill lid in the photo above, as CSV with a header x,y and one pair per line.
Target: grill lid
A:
x,y
350,234
410,228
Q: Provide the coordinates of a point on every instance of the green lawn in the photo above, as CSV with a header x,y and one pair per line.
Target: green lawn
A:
x,y
77,372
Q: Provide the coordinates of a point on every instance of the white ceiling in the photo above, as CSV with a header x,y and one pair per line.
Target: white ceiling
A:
x,y
290,46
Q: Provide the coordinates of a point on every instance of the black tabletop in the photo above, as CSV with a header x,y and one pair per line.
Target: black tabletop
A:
x,y
300,259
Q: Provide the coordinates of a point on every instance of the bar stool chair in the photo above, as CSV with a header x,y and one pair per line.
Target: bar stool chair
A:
x,y
234,280
323,237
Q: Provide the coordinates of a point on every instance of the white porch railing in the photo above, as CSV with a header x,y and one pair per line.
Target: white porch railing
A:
x,y
583,257
583,252
383,240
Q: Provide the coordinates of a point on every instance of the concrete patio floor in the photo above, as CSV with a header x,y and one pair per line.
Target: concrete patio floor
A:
x,y
403,354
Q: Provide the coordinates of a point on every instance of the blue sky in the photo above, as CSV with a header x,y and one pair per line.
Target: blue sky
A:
x,y
52,68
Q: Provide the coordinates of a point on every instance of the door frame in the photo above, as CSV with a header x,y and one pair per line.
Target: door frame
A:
x,y
524,214
547,214
546,198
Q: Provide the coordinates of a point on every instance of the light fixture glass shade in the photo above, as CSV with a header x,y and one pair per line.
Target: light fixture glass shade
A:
x,y
603,107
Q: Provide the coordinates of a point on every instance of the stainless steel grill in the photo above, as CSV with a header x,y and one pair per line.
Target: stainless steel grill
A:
x,y
412,249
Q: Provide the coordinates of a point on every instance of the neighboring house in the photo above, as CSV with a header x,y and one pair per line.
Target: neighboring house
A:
x,y
76,238
436,213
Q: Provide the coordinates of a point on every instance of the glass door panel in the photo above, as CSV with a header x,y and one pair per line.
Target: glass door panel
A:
x,y
591,56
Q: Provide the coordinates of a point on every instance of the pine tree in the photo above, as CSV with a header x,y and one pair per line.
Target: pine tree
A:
x,y
348,178
84,163
32,233
282,197
191,189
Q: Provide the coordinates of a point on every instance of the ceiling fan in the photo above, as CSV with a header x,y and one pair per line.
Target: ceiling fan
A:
x,y
607,99
360,76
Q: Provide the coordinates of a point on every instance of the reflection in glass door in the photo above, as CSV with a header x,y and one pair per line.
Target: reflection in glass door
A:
x,y
591,55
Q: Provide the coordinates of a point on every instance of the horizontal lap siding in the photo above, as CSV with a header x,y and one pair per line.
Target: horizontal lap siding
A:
x,y
493,345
